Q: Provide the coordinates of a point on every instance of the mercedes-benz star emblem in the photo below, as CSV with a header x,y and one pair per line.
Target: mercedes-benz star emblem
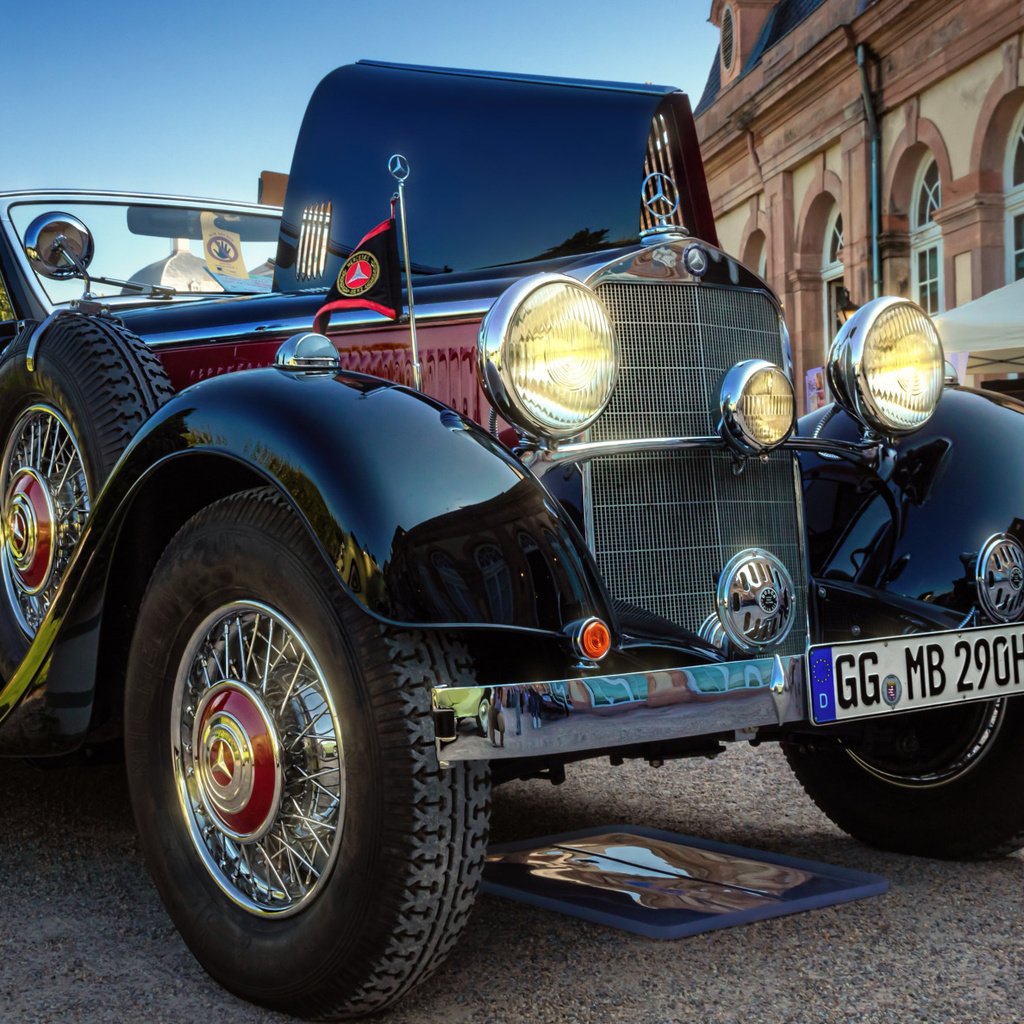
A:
x,y
695,260
222,764
660,196
399,167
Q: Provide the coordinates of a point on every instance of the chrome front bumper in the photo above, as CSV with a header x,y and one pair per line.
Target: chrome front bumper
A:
x,y
604,712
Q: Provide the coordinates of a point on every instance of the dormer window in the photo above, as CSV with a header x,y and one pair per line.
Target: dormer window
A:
x,y
740,24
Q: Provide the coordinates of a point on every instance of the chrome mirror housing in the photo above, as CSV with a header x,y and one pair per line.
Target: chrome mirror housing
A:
x,y
59,246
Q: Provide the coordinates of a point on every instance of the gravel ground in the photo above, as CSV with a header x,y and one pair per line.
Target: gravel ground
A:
x,y
83,936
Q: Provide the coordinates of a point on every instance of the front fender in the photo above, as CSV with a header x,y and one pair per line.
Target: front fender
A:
x,y
426,520
893,550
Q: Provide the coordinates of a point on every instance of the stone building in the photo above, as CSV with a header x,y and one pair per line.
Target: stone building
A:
x,y
864,147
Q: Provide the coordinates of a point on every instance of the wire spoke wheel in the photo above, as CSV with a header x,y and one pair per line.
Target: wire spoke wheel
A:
x,y
946,782
46,502
257,758
63,426
937,749
283,770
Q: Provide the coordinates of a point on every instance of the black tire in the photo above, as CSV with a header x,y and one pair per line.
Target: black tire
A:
x,y
412,839
947,783
104,382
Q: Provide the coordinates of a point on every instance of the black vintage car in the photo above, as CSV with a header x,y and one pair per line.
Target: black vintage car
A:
x,y
310,578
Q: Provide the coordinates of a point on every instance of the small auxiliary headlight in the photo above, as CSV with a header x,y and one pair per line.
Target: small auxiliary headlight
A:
x,y
886,366
757,406
548,356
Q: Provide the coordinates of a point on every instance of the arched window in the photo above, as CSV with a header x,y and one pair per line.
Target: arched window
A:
x,y
926,238
832,275
1014,178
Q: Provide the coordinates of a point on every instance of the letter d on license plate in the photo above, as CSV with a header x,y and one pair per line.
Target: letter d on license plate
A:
x,y
908,673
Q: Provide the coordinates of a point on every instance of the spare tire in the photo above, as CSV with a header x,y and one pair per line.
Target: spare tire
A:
x,y
62,428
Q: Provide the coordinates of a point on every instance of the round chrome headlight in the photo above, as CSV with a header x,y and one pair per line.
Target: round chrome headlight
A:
x,y
757,405
548,356
886,366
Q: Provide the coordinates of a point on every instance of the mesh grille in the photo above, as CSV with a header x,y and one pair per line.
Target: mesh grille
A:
x,y
662,525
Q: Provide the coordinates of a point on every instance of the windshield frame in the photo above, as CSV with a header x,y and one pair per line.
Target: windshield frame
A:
x,y
55,198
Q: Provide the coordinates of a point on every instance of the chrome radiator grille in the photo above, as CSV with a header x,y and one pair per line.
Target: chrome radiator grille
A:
x,y
662,526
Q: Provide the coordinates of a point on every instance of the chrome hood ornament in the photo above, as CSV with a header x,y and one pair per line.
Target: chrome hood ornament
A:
x,y
660,197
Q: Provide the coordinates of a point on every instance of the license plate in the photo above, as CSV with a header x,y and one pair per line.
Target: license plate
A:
x,y
908,673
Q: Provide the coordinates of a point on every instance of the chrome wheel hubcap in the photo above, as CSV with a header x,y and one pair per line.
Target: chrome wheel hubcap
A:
x,y
257,759
237,760
46,502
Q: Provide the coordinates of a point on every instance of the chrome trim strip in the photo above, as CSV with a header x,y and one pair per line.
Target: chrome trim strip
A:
x,y
623,710
583,451
801,532
347,320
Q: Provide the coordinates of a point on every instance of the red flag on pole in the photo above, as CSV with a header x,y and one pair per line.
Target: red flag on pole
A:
x,y
368,279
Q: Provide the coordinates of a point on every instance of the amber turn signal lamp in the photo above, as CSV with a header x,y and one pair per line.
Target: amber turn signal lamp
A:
x,y
593,639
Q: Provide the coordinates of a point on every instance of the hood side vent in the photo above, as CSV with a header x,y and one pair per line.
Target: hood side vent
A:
x,y
314,236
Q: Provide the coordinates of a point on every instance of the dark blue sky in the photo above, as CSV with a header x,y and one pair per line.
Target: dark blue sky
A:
x,y
197,98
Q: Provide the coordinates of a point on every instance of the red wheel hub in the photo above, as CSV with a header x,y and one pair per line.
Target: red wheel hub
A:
x,y
28,530
238,762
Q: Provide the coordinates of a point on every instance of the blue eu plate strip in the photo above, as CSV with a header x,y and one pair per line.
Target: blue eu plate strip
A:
x,y
823,691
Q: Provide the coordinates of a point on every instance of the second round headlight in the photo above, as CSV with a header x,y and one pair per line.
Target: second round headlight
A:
x,y
757,406
886,366
549,357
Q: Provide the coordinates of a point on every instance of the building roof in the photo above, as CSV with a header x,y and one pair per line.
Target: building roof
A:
x,y
782,19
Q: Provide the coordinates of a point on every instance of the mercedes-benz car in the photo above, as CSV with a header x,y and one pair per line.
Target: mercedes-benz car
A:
x,y
329,587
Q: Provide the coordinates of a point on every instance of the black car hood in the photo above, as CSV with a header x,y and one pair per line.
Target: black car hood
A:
x,y
503,169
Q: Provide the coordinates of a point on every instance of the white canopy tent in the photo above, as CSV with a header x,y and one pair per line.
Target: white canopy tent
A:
x,y
991,329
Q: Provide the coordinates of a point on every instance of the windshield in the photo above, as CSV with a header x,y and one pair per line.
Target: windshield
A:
x,y
186,249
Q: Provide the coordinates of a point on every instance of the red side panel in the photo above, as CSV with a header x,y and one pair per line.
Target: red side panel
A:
x,y
193,363
447,358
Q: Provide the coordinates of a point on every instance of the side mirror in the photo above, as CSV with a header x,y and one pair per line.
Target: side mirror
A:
x,y
59,246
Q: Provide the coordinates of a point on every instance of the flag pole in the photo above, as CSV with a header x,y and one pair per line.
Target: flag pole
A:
x,y
399,168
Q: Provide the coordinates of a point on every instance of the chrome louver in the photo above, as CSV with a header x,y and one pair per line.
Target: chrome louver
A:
x,y
663,526
314,236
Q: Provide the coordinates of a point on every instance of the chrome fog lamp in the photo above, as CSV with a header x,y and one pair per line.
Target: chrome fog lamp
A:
x,y
757,405
548,356
885,367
